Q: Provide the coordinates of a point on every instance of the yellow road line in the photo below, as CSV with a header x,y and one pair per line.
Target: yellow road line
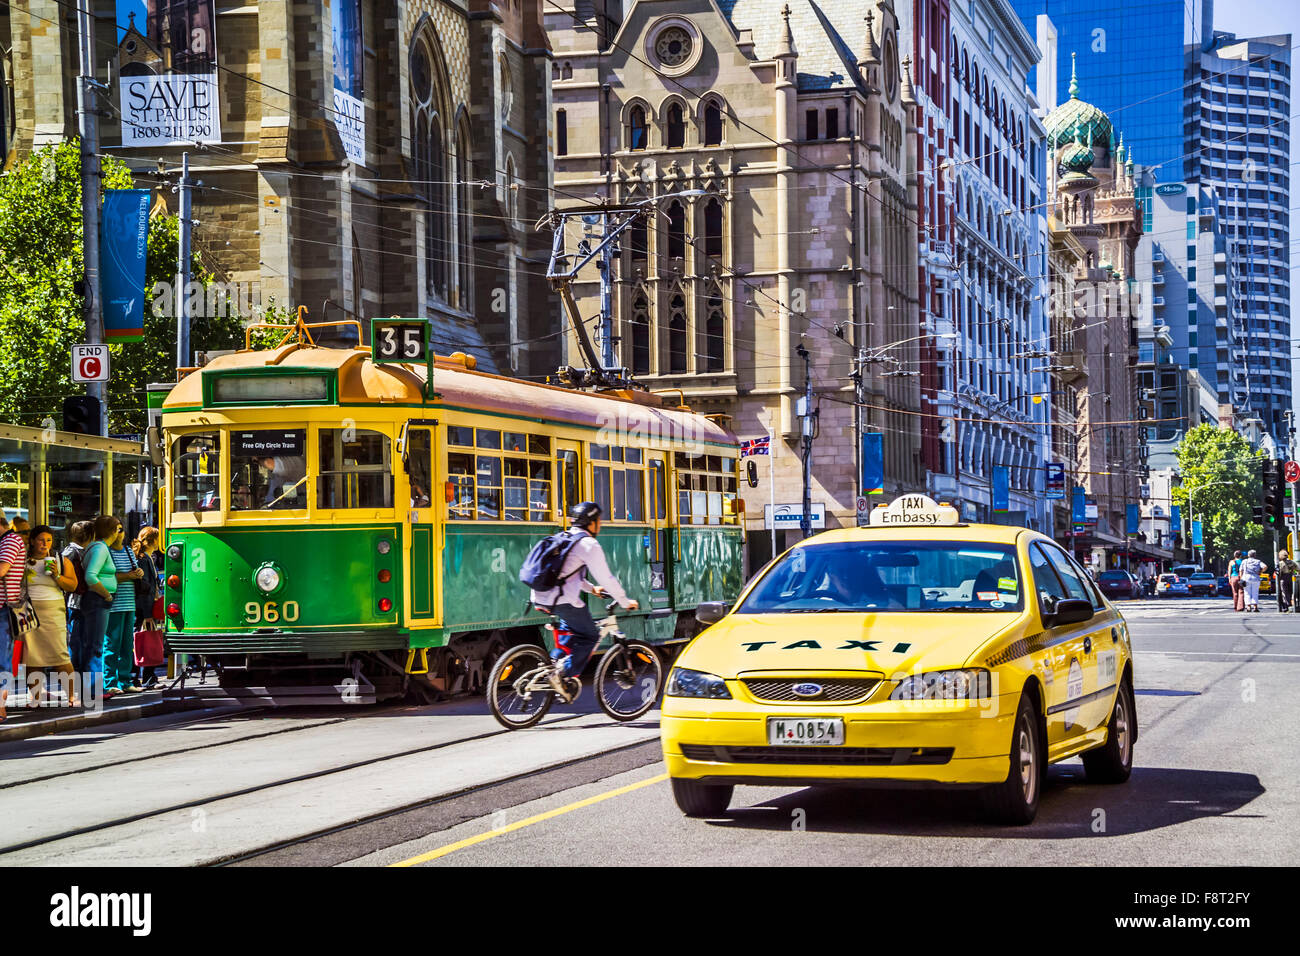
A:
x,y
558,811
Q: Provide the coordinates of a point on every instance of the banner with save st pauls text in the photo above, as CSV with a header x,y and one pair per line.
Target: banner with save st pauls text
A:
x,y
167,72
349,78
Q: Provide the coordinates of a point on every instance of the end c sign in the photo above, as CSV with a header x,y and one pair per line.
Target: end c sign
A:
x,y
90,363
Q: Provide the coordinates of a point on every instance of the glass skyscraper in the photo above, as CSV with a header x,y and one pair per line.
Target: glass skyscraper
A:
x,y
1130,58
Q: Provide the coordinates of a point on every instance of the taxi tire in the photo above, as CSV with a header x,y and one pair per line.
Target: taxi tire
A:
x,y
1005,802
697,799
1107,763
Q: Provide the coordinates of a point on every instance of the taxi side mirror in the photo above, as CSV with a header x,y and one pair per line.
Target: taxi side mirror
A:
x,y
711,612
1069,611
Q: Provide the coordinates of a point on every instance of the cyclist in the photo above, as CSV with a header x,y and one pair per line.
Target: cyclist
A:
x,y
577,634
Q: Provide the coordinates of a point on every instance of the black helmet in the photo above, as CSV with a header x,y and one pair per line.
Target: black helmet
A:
x,y
584,513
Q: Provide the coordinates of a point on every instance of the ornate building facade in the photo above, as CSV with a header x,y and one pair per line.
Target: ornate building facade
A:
x,y
1092,190
427,211
777,143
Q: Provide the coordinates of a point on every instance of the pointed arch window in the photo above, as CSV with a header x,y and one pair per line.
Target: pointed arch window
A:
x,y
675,127
677,343
561,133
713,229
715,329
429,153
712,123
639,241
639,333
464,220
636,128
676,230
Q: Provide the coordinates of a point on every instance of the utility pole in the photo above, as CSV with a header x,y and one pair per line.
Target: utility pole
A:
x,y
183,353
605,267
88,128
807,414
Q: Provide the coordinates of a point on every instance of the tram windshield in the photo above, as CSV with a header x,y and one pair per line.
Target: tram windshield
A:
x,y
268,470
196,467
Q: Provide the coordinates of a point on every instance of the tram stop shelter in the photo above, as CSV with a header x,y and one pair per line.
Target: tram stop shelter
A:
x,y
57,477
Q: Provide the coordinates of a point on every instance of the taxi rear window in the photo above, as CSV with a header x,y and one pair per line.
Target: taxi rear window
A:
x,y
928,576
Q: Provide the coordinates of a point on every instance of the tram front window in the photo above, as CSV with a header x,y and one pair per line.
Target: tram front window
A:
x,y
196,466
355,469
268,470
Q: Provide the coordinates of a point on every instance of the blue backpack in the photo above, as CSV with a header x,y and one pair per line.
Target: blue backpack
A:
x,y
541,569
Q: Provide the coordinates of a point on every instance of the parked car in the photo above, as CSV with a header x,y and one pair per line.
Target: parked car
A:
x,y
1202,584
1171,585
1225,586
1117,584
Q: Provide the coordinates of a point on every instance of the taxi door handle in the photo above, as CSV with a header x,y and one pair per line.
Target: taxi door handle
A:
x,y
1114,635
1087,644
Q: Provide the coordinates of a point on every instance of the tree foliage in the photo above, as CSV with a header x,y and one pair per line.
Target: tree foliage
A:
x,y
41,265
1221,476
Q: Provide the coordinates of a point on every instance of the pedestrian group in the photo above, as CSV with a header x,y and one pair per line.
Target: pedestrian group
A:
x,y
95,607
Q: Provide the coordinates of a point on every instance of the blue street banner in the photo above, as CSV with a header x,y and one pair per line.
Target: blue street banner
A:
x,y
1001,488
1175,520
873,463
1132,519
167,72
123,245
1054,480
1078,506
349,86
1197,541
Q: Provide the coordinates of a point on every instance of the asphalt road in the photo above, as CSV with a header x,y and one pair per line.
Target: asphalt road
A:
x,y
1216,781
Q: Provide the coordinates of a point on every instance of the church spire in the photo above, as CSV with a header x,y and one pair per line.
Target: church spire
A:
x,y
1074,77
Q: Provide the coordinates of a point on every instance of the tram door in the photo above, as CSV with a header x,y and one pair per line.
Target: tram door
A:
x,y
657,544
568,490
425,506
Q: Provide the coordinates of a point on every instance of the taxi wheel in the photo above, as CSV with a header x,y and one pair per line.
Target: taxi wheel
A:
x,y
697,799
1112,762
1015,800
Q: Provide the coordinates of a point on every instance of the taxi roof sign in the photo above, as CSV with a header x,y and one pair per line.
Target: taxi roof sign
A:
x,y
914,510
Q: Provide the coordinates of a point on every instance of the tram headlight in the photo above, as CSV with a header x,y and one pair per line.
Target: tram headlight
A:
x,y
268,578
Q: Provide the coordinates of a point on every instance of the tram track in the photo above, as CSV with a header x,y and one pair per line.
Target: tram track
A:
x,y
538,783
264,787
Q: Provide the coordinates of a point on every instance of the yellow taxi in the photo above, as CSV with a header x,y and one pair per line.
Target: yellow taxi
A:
x,y
917,652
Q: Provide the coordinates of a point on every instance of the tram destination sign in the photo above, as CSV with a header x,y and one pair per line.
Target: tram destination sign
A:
x,y
269,444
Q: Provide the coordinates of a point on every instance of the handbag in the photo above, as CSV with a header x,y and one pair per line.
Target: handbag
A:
x,y
149,650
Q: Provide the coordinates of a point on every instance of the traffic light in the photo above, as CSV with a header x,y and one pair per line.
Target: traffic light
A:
x,y
1272,494
81,414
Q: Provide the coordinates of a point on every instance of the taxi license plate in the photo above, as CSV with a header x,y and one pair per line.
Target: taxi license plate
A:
x,y
805,731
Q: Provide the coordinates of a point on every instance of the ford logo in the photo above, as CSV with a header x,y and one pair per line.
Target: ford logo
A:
x,y
807,690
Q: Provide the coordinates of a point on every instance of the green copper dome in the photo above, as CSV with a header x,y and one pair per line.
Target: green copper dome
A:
x,y
1061,122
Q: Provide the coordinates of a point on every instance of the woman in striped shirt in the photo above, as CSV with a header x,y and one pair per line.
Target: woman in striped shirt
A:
x,y
109,565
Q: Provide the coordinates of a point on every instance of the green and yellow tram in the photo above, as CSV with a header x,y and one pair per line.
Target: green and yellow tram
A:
x,y
332,520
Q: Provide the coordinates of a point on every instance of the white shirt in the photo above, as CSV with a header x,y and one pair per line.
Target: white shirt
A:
x,y
1251,568
586,557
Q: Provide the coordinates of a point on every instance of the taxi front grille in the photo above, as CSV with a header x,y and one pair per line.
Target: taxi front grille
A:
x,y
825,756
833,689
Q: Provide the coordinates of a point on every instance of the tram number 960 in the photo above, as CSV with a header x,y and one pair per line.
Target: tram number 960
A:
x,y
270,612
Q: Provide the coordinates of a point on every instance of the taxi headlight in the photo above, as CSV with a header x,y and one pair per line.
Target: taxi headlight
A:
x,y
969,684
688,683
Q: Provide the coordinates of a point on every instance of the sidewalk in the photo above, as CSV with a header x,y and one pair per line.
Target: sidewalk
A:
x,y
23,721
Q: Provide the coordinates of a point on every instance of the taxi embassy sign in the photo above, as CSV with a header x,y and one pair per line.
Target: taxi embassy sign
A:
x,y
167,90
914,510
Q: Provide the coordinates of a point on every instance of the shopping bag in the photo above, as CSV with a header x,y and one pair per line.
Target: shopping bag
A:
x,y
149,647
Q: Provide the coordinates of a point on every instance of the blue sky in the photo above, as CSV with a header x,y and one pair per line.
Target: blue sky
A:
x,y
124,9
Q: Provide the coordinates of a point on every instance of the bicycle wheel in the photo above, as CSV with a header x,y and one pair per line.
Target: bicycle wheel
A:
x,y
518,692
628,680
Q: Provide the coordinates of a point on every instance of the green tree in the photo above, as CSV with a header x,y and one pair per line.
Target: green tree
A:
x,y
1223,471
41,265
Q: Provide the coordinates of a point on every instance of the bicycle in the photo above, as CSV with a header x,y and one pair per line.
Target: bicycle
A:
x,y
628,679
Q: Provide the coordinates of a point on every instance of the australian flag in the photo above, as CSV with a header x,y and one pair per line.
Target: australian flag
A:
x,y
755,446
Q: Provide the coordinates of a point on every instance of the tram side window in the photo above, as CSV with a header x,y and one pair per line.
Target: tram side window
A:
x,y
618,482
508,478
196,466
268,469
355,469
706,486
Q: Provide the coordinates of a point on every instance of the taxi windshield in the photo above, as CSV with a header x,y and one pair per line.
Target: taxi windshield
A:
x,y
890,576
